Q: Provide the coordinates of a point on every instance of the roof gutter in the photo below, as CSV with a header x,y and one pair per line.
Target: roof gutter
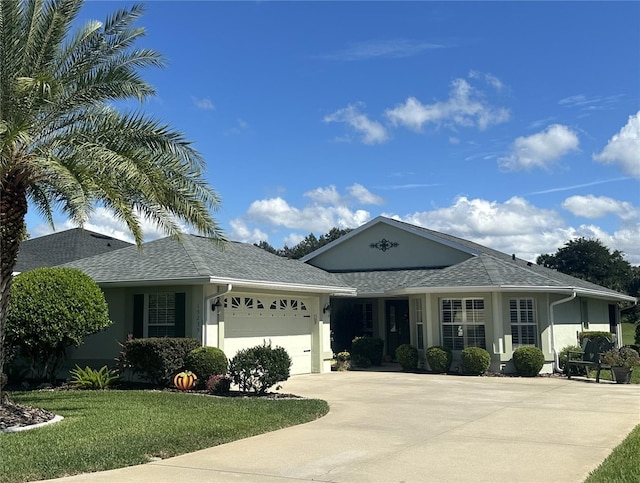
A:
x,y
333,290
552,305
205,310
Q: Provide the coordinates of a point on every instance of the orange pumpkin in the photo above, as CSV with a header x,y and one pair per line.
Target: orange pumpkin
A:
x,y
185,380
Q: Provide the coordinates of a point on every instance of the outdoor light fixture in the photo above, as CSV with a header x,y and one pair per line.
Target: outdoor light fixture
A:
x,y
326,308
216,305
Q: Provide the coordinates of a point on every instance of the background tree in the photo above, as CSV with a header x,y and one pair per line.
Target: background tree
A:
x,y
63,144
52,309
310,244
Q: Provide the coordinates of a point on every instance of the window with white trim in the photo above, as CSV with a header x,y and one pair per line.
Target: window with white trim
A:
x,y
161,314
364,317
524,327
462,323
417,312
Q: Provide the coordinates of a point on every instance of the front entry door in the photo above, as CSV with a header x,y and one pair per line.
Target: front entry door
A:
x,y
397,317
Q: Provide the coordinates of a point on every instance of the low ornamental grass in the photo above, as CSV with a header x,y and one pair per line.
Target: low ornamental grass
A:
x,y
111,429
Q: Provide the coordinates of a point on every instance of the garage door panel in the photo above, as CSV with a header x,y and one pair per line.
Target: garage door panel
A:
x,y
250,321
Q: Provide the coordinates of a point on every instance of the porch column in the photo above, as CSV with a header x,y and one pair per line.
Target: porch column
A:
x,y
498,324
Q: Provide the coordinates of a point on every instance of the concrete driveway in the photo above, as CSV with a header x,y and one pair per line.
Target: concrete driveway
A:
x,y
396,427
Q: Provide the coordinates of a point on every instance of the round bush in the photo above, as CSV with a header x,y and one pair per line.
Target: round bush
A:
x,y
260,367
439,358
407,357
51,309
369,348
206,362
528,360
475,360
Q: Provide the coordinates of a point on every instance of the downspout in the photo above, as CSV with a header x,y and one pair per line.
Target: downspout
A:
x,y
206,311
556,360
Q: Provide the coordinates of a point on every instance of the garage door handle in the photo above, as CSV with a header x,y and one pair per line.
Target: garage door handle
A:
x,y
307,350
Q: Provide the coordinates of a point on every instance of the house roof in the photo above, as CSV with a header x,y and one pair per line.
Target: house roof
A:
x,y
64,246
196,259
486,269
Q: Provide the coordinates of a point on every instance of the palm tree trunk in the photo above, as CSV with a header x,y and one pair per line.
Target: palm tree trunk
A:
x,y
13,208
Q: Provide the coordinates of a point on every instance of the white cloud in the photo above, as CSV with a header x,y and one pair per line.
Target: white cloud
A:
x,y
203,103
327,195
241,232
517,226
623,148
540,150
372,132
103,221
591,206
363,195
398,48
465,107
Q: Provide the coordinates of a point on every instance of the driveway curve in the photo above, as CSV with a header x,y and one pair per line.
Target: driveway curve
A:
x,y
397,427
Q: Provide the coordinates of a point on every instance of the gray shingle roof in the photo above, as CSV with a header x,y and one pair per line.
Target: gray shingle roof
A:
x,y
64,246
197,259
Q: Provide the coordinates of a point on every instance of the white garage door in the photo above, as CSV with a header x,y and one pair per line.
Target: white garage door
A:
x,y
249,320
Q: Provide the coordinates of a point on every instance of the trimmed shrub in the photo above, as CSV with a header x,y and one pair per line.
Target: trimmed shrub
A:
x,y
205,362
258,368
592,335
636,337
407,357
218,384
367,351
475,360
51,309
439,358
528,360
157,359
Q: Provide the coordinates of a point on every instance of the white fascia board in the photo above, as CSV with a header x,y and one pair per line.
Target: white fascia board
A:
x,y
515,288
287,287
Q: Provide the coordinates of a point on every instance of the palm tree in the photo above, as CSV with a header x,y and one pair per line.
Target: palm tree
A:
x,y
63,144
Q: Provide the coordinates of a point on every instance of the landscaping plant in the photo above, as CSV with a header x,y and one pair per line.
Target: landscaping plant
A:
x,y
475,360
156,360
528,360
343,361
407,357
439,358
205,362
89,378
52,309
218,384
367,351
259,368
73,135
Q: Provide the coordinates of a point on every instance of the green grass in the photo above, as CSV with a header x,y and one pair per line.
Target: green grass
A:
x,y
622,465
628,333
111,429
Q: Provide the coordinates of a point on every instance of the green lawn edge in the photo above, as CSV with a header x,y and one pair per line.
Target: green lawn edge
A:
x,y
104,430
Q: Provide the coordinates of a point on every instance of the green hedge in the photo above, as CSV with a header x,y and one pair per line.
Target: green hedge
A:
x,y
407,357
528,360
367,351
156,360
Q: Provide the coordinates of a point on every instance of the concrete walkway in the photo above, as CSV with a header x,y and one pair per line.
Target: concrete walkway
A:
x,y
396,427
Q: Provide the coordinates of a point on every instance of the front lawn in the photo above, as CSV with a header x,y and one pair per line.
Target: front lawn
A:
x,y
110,429
622,465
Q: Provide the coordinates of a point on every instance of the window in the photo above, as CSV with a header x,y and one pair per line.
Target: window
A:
x,y
159,314
462,323
417,311
364,318
524,328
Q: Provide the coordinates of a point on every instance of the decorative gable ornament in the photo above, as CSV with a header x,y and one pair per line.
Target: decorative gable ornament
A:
x,y
384,245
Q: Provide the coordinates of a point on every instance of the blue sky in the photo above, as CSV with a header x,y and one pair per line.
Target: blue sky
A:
x,y
516,125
